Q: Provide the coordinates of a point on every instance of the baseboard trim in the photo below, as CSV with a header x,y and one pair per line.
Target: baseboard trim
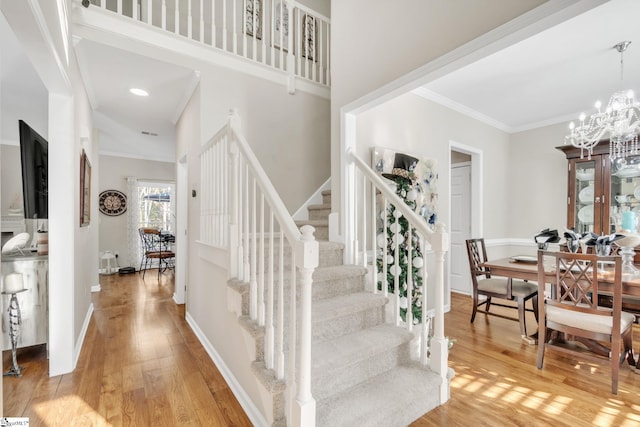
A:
x,y
83,333
257,419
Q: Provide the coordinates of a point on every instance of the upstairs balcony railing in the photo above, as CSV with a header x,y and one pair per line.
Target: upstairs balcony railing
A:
x,y
280,34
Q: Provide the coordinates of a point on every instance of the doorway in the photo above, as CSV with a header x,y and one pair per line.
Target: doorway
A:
x,y
465,217
460,222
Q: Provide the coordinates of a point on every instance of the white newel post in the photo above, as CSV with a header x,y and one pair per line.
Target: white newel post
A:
x,y
439,344
307,252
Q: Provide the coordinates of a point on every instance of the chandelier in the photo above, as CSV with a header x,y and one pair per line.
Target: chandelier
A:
x,y
620,121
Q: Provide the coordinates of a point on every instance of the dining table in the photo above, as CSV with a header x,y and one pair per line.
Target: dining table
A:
x,y
525,267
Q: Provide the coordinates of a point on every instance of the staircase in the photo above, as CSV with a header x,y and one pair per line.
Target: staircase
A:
x,y
362,374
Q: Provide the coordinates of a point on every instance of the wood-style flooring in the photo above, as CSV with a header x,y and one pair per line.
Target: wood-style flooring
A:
x,y
141,365
497,382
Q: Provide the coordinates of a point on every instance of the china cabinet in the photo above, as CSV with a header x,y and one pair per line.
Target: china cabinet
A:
x,y
602,197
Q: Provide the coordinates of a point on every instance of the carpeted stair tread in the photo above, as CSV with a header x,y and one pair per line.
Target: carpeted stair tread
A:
x,y
319,207
338,272
327,309
357,346
394,398
313,222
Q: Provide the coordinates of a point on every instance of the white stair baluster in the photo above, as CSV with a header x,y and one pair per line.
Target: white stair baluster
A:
x,y
235,27
269,332
189,20
176,25
164,14
374,246
254,256
426,321
364,221
280,321
385,251
213,23
201,28
396,268
247,268
261,289
409,313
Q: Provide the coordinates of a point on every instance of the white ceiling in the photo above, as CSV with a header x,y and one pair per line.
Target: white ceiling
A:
x,y
550,77
546,79
109,73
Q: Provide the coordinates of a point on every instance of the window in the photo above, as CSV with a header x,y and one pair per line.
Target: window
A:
x,y
156,201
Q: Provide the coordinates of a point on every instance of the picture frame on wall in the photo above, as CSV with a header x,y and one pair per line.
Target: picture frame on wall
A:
x,y
85,190
309,37
253,18
280,25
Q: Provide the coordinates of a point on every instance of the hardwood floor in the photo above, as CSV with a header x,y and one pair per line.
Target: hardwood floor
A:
x,y
141,365
497,382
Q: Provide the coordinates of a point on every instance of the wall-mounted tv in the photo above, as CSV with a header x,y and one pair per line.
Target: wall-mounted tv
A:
x,y
34,153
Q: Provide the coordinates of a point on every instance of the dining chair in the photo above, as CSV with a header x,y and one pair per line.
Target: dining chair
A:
x,y
571,314
504,288
155,246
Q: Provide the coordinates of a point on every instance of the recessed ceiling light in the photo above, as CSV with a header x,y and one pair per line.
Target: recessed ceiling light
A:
x,y
138,92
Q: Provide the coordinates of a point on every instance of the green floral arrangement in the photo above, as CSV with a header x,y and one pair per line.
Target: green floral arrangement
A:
x,y
398,230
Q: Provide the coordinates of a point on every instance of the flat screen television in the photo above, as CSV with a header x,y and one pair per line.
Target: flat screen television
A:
x,y
34,153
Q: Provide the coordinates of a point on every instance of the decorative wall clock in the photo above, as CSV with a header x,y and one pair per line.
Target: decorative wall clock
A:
x,y
112,202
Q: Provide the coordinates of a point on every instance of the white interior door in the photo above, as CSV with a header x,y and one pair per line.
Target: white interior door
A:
x,y
460,226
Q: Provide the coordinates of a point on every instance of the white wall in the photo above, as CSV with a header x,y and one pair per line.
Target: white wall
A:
x,y
113,173
73,254
537,181
374,43
289,134
11,171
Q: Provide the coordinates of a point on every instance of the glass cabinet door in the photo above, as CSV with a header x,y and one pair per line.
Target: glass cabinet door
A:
x,y
585,196
624,209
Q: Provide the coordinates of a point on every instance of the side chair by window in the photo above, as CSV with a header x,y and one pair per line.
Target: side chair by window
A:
x,y
572,311
155,247
498,287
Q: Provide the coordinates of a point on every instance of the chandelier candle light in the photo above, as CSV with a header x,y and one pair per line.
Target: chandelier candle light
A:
x,y
620,120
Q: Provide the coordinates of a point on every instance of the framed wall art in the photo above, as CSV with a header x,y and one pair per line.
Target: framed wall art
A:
x,y
85,190
309,37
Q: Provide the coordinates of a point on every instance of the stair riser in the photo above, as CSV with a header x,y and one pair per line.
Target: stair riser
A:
x,y
322,232
319,213
346,324
337,287
321,289
327,258
326,197
348,375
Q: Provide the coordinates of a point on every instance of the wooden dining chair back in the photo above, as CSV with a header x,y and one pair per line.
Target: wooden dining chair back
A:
x,y
570,313
504,288
154,247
